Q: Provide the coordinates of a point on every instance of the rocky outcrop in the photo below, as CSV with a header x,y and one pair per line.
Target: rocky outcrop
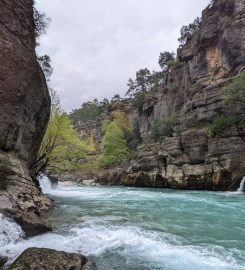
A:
x,y
24,109
31,225
192,161
191,158
40,258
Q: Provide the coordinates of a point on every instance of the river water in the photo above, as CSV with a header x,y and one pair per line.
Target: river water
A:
x,y
140,229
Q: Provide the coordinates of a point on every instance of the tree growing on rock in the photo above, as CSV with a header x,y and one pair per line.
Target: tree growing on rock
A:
x,y
45,63
188,31
166,60
41,22
144,83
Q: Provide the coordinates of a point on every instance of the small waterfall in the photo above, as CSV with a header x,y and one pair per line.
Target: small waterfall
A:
x,y
242,185
45,184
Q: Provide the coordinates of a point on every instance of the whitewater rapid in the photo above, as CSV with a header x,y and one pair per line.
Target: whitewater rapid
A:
x,y
117,228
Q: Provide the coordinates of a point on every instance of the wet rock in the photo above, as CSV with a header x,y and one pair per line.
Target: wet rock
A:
x,y
40,258
30,223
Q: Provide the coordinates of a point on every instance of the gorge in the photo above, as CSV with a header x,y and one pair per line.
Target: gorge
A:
x,y
205,149
167,163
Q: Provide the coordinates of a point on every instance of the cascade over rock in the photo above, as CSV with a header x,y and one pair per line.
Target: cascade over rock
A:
x,y
24,109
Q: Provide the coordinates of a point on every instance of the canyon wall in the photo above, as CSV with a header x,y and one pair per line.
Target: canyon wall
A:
x,y
24,109
191,158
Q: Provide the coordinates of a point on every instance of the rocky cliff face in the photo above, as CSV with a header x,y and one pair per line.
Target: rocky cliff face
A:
x,y
195,91
24,108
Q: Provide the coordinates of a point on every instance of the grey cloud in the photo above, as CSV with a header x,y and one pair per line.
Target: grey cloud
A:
x,y
96,45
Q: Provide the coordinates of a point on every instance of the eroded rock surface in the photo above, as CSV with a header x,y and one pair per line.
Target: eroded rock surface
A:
x,y
24,109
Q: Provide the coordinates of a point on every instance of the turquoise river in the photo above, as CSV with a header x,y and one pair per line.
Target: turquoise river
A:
x,y
123,228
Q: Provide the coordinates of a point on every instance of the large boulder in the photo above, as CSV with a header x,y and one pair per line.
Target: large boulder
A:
x,y
48,259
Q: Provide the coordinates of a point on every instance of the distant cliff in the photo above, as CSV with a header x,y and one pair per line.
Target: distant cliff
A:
x,y
191,158
24,109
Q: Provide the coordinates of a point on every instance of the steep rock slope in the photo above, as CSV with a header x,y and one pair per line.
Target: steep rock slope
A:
x,y
24,109
195,91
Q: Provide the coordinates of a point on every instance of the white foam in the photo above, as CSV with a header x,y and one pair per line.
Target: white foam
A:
x,y
10,234
93,238
45,184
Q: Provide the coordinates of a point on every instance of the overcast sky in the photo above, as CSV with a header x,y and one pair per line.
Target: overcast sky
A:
x,y
96,45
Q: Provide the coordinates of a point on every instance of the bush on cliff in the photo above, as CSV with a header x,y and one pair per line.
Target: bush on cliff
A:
x,y
219,124
234,102
235,91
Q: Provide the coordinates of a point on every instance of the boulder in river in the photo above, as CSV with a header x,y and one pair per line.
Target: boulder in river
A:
x,y
42,258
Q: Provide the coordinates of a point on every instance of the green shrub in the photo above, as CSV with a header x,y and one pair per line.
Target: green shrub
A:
x,y
219,124
235,91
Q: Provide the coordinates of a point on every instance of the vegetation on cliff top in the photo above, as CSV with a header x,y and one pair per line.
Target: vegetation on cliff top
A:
x,y
90,111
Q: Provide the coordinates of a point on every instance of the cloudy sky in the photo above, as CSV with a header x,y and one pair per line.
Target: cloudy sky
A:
x,y
96,45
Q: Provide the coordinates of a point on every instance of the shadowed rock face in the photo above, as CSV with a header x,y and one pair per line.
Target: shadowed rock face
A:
x,y
24,98
195,90
24,108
